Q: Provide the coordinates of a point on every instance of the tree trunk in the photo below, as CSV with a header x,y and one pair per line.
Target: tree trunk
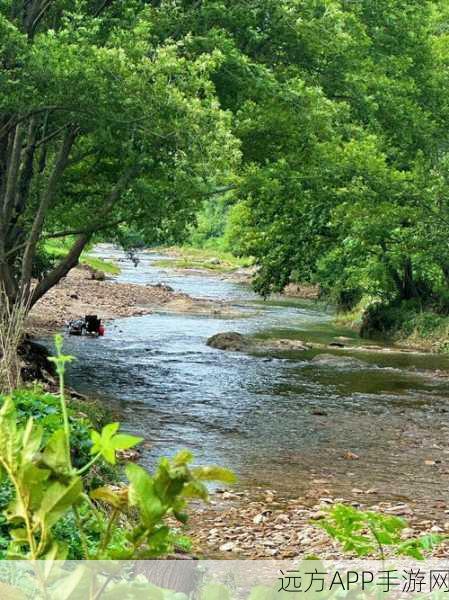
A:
x,y
445,269
409,289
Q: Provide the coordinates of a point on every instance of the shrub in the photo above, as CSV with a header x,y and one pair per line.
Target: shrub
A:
x,y
367,533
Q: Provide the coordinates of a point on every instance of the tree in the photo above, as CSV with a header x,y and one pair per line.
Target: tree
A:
x,y
341,109
100,124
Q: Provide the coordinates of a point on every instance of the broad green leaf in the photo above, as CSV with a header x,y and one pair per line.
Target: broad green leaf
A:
x,y
142,494
74,586
55,453
195,489
184,457
214,591
33,479
116,498
57,551
109,441
31,440
214,473
9,443
123,441
19,534
58,498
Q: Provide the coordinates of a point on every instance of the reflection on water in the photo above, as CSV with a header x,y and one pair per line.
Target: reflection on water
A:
x,y
279,421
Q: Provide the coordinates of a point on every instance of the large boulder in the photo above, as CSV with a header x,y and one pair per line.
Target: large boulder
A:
x,y
229,340
331,360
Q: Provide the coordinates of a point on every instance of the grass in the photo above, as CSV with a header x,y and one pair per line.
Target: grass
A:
x,y
101,265
353,318
59,250
187,257
426,330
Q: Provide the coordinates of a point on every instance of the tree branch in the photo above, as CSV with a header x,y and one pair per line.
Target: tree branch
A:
x,y
12,176
61,270
46,200
72,258
37,19
102,7
92,229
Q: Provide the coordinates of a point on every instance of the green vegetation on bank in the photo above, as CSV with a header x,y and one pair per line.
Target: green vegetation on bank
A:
x,y
189,257
403,323
57,250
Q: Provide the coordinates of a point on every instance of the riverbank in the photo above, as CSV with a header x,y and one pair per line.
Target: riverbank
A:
x,y
404,325
266,525
189,258
86,291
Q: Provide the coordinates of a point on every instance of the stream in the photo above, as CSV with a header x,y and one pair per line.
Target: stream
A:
x,y
279,421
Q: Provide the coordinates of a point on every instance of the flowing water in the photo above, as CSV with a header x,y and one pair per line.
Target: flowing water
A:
x,y
280,421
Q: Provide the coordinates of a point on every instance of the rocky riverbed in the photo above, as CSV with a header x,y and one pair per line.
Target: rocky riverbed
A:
x,y
266,525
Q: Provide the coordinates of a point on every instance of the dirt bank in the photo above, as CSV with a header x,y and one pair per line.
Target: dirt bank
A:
x,y
79,294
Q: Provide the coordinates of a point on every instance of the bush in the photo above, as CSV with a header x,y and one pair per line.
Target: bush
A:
x,y
347,300
44,408
367,533
382,320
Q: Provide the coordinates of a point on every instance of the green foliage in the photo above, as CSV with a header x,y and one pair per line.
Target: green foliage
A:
x,y
108,442
57,250
50,509
116,131
367,533
341,109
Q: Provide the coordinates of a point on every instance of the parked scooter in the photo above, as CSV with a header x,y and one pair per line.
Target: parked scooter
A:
x,y
91,325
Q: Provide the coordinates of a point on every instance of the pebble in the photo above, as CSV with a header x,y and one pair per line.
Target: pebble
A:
x,y
252,528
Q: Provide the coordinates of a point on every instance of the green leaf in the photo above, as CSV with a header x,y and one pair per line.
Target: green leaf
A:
x,y
184,457
33,479
109,441
19,534
116,498
57,551
214,473
31,440
57,499
214,591
123,441
74,586
55,453
195,489
9,443
142,494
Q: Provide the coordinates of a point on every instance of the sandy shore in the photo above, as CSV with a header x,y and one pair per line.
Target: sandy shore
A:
x,y
80,293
